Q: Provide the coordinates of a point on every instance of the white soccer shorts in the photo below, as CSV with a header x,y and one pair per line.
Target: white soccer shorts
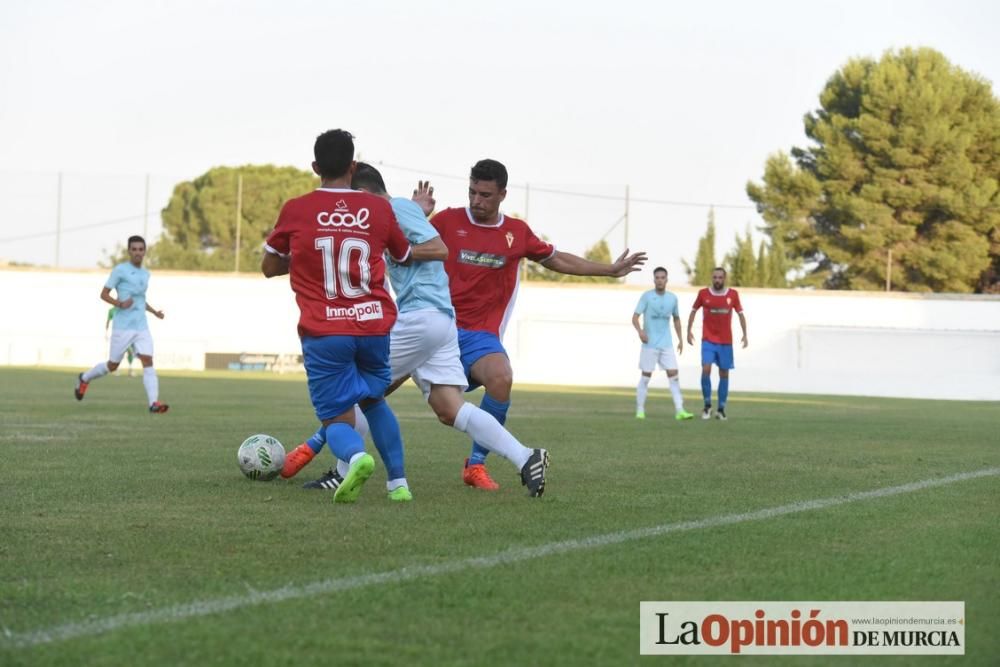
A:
x,y
649,357
424,344
122,338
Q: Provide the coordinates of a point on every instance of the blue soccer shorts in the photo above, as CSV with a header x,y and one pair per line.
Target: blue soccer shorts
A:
x,y
473,346
342,370
718,354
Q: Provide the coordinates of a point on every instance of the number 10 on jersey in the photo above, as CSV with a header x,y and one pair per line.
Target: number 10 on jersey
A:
x,y
337,266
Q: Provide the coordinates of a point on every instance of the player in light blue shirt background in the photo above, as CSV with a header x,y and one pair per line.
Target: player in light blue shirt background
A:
x,y
656,308
129,280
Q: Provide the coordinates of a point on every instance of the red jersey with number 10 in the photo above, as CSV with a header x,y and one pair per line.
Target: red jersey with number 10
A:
x,y
335,239
717,321
482,266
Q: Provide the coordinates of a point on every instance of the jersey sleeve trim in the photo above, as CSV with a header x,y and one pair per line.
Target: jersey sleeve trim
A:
x,y
406,255
271,250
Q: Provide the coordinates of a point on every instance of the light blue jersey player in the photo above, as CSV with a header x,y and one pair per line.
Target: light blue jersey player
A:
x,y
129,329
656,308
423,344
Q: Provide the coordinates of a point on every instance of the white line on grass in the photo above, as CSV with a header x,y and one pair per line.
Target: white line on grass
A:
x,y
182,612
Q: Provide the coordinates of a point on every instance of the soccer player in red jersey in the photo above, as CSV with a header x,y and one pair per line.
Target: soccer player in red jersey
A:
x,y
485,248
331,241
718,303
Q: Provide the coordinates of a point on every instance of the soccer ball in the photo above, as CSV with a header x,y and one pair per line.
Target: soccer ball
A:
x,y
261,457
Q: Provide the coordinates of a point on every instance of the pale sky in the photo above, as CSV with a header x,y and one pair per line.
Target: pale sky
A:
x,y
682,102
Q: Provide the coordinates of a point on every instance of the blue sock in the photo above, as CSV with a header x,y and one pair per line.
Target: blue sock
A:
x,y
706,389
388,440
499,411
344,441
723,392
317,440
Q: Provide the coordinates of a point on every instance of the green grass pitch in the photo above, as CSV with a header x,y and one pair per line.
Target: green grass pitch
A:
x,y
130,538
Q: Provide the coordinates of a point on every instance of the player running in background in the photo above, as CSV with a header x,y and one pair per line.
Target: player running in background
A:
x,y
331,242
129,329
657,307
424,344
718,302
484,249
130,352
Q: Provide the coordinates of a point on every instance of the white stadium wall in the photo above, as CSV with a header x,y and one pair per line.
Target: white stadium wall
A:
x,y
904,345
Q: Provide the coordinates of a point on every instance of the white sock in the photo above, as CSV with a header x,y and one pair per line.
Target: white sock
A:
x,y
97,371
640,393
394,484
343,467
675,390
360,422
356,457
151,383
488,432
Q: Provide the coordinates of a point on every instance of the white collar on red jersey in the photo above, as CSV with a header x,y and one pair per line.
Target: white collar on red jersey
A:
x,y
722,293
468,214
336,190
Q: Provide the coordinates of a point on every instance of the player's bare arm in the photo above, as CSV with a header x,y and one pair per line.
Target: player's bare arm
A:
x,y
565,262
430,251
154,311
274,265
638,328
423,196
691,326
677,328
107,298
743,325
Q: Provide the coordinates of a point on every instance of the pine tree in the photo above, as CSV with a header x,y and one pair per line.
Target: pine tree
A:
x,y
704,261
906,158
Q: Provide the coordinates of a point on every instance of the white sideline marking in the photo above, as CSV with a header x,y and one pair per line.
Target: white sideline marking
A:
x,y
59,633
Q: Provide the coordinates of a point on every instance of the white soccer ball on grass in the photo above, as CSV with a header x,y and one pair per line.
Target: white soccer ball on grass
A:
x,y
261,457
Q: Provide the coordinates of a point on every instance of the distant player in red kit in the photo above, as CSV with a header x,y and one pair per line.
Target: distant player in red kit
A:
x,y
485,247
719,302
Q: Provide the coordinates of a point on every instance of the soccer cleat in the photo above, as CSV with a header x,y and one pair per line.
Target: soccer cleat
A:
x,y
640,414
533,472
720,414
81,387
158,408
328,482
706,413
359,473
476,475
682,415
296,460
400,494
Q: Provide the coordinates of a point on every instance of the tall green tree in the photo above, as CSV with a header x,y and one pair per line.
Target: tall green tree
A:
x,y
741,263
904,171
704,260
199,223
763,271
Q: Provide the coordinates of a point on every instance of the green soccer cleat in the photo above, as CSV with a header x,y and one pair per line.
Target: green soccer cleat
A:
x,y
400,494
640,415
683,415
359,473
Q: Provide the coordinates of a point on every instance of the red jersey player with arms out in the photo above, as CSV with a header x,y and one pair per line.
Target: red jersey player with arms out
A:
x,y
485,247
331,241
718,303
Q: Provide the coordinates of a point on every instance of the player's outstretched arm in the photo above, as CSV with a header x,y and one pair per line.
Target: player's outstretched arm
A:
x,y
274,265
423,195
565,262
150,309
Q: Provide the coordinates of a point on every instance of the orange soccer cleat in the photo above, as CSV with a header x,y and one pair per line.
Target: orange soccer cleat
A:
x,y
476,475
81,387
158,408
296,460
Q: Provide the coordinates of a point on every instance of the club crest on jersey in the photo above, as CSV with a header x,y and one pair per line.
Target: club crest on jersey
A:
x,y
341,216
510,239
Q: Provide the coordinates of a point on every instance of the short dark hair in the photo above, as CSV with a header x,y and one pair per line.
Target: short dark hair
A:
x,y
719,268
135,238
658,269
334,152
490,170
367,177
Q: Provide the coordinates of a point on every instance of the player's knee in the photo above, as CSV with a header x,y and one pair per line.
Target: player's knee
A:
x,y
113,365
445,415
723,373
500,383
